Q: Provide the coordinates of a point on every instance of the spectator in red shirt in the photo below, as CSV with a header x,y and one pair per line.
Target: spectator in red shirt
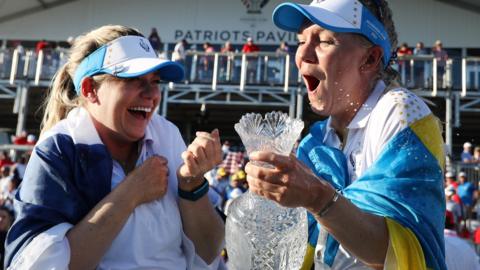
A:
x,y
404,50
5,159
41,45
21,139
450,180
476,239
250,47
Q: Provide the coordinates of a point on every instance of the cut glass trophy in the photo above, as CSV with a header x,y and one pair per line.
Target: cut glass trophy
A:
x,y
261,234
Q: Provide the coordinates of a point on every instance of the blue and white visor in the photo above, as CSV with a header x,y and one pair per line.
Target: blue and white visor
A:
x,y
344,16
127,57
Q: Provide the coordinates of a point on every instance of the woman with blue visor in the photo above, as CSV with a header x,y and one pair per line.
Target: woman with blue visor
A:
x,y
111,184
370,175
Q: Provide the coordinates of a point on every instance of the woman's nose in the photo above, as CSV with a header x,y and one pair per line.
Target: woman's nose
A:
x,y
150,90
306,53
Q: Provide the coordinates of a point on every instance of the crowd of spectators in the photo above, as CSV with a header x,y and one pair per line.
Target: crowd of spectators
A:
x,y
462,221
467,156
11,175
462,198
420,67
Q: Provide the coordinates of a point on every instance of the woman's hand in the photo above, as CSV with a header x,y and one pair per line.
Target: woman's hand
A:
x,y
202,155
149,181
290,183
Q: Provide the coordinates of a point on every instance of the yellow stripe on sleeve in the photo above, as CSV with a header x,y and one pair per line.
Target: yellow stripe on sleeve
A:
x,y
429,131
404,251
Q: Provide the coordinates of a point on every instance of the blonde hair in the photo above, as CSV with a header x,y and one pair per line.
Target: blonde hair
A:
x,y
62,97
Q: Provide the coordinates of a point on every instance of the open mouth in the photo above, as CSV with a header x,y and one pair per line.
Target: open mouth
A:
x,y
140,112
311,82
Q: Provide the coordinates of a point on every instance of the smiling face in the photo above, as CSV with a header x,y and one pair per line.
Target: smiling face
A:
x,y
331,67
122,108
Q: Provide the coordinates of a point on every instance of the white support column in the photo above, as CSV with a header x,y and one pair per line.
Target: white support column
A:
x,y
291,107
412,69
456,107
18,97
23,110
215,72
464,76
299,103
448,124
243,72
435,79
447,78
287,73
13,70
265,70
230,61
165,101
38,71
26,67
193,67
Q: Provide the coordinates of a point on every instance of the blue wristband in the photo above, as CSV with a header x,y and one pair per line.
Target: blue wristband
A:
x,y
195,194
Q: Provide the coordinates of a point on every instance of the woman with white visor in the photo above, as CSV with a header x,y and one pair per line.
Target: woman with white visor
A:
x,y
370,175
110,184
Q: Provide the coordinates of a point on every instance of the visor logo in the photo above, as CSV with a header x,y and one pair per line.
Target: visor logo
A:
x,y
316,2
119,69
144,45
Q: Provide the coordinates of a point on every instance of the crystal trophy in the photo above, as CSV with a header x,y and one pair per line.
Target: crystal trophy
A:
x,y
261,234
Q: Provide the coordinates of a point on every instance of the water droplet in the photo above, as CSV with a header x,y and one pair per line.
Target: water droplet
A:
x,y
348,95
351,103
341,90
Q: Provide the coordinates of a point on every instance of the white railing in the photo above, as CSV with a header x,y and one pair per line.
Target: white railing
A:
x,y
20,65
472,170
262,68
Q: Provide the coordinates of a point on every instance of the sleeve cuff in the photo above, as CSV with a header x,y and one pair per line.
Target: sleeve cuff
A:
x,y
48,250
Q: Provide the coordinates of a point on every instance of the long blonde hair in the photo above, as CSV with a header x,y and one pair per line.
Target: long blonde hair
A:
x,y
62,97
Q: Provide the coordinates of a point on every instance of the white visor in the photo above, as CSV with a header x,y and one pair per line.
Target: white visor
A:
x,y
127,57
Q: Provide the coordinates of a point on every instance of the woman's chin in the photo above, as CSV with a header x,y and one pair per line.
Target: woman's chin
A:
x,y
319,109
